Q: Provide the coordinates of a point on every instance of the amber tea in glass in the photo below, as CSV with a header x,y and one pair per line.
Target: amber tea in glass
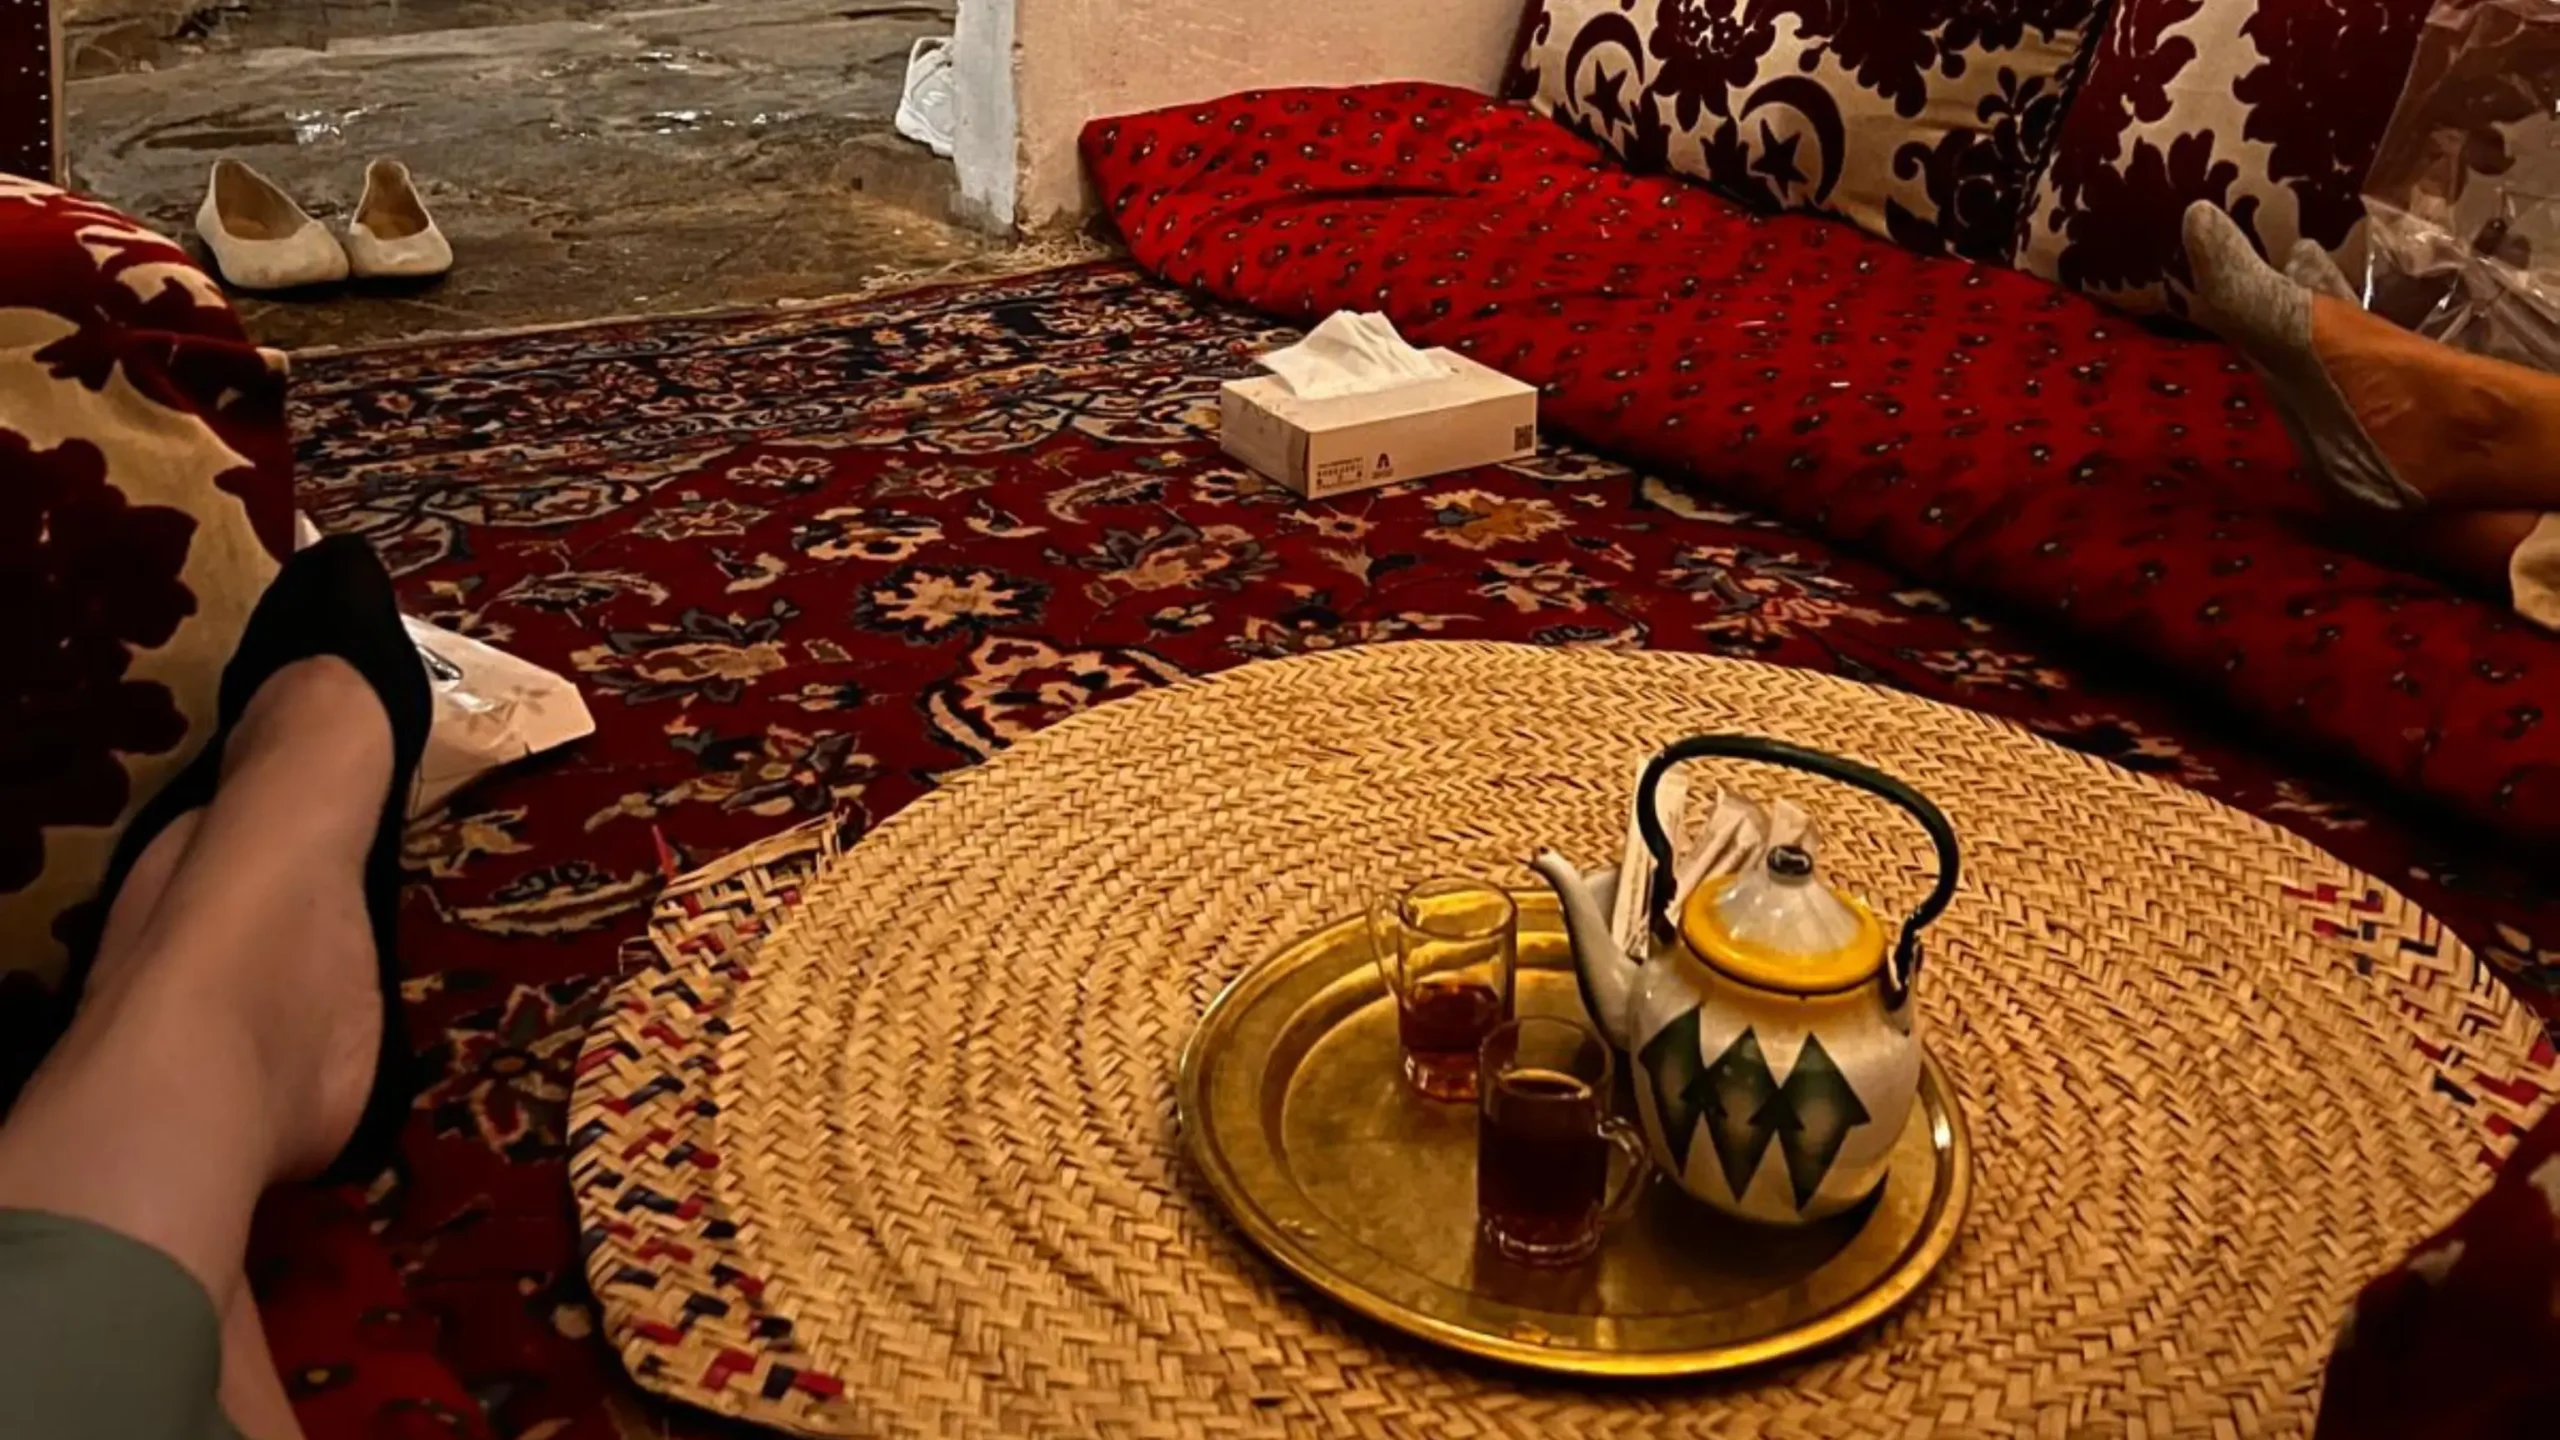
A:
x,y
1447,949
1543,1137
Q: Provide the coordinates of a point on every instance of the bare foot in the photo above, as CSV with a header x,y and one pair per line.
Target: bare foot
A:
x,y
2465,431
139,899
305,775
234,1039
311,757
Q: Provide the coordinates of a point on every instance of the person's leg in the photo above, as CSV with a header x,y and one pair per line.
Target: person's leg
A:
x,y
227,1037
251,1392
2394,420
230,1043
139,896
2468,432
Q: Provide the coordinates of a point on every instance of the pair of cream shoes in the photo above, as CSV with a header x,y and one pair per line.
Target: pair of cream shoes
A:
x,y
262,240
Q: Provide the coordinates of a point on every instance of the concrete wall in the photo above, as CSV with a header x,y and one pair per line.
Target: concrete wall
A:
x,y
985,141
1072,60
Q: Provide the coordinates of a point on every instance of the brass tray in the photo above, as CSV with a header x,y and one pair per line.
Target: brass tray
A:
x,y
1292,1109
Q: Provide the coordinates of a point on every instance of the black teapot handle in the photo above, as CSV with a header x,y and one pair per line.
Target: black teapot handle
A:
x,y
1905,967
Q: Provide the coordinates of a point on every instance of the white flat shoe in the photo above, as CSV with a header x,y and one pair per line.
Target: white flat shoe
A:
x,y
260,239
392,237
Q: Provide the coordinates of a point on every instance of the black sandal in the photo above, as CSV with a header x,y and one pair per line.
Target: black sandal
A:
x,y
333,598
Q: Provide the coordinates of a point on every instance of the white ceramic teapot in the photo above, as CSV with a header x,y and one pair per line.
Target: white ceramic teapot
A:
x,y
1767,1024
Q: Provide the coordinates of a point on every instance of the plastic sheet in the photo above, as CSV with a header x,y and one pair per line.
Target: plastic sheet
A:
x,y
2463,201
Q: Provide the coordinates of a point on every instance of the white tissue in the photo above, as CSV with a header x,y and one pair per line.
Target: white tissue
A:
x,y
1738,832
1351,353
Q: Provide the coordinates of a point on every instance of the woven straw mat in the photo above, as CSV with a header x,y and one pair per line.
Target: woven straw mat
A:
x,y
883,1142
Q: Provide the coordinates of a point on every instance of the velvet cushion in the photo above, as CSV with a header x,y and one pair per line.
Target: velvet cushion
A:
x,y
1973,427
2456,1343
1922,121
2272,109
145,496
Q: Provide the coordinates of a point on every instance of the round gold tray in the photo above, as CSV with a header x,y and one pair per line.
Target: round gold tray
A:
x,y
1292,1109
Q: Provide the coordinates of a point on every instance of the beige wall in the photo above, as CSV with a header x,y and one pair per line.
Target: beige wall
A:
x,y
1077,59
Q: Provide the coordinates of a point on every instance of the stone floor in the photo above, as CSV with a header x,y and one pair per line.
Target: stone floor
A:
x,y
589,158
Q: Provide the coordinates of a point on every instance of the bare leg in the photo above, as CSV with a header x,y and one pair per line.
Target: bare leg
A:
x,y
227,1038
2392,420
139,900
252,1393
2468,432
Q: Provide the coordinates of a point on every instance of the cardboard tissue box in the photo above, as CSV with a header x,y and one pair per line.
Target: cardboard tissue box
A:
x,y
1354,407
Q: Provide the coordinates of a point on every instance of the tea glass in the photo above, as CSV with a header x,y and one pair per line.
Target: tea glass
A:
x,y
1543,1137
1448,950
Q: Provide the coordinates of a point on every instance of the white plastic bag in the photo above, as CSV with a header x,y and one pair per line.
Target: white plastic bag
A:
x,y
1736,833
491,709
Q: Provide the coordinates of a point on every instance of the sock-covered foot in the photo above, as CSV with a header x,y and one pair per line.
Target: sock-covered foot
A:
x,y
2310,267
2269,318
2390,418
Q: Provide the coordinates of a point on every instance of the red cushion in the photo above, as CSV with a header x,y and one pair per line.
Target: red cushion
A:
x,y
136,296
1971,425
2457,1343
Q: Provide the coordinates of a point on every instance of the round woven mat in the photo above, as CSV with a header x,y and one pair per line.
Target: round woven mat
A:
x,y
881,1143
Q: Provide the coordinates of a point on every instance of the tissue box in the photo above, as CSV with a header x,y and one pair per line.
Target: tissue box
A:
x,y
1344,443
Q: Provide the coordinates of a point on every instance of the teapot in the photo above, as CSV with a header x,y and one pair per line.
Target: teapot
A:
x,y
1766,1024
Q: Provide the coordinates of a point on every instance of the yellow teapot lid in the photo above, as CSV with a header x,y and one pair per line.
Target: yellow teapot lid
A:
x,y
1776,925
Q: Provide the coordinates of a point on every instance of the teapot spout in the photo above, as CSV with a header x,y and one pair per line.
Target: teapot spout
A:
x,y
1607,972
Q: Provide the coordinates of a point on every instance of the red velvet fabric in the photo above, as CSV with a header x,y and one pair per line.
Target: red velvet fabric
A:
x,y
1971,426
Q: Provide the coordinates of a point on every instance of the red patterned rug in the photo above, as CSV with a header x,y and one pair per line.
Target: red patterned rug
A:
x,y
810,562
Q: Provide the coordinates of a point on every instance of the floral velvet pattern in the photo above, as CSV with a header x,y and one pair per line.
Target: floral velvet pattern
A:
x,y
2456,1342
1921,121
1971,426
145,491
2272,109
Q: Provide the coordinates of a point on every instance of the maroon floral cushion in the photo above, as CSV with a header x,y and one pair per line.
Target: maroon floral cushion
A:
x,y
2457,1343
2271,109
1921,120
1972,426
145,495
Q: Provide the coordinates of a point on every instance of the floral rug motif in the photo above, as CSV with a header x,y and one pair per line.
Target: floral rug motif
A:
x,y
808,562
